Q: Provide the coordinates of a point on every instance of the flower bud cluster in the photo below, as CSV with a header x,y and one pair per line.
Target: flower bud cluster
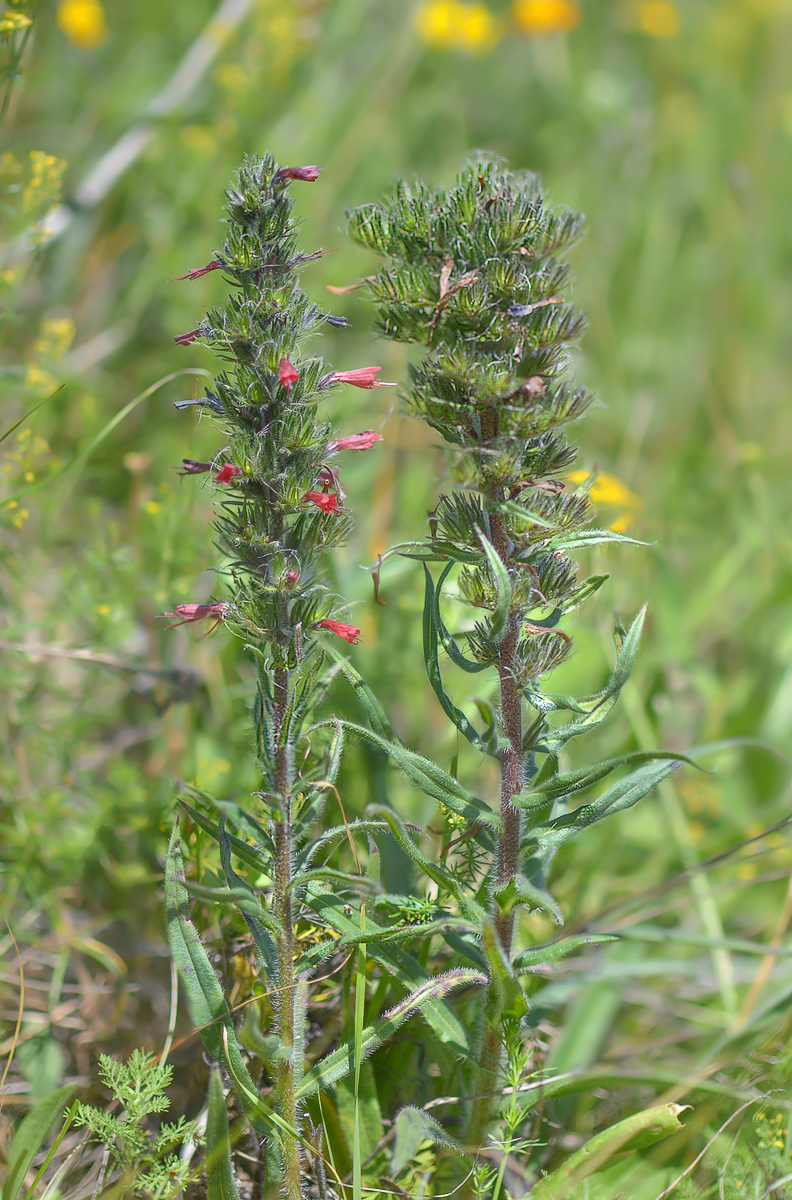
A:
x,y
472,273
282,505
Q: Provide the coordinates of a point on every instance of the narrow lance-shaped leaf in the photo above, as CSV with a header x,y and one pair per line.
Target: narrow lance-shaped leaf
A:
x,y
432,661
620,796
342,1061
375,713
205,998
503,589
29,1137
220,1182
261,935
444,879
402,966
431,779
449,642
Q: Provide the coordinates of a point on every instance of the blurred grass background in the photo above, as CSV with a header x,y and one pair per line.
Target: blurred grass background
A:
x,y
670,126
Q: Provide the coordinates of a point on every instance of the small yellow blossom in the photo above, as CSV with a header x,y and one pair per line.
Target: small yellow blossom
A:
x,y
451,24
103,610
746,872
43,187
13,22
55,337
39,381
659,18
83,22
152,507
541,18
608,490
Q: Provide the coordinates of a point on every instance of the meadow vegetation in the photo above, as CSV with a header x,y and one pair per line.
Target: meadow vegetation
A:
x,y
669,127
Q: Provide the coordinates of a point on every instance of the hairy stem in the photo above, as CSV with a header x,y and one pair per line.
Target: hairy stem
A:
x,y
512,767
283,912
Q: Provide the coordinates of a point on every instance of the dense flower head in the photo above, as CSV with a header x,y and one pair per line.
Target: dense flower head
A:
x,y
474,273
266,409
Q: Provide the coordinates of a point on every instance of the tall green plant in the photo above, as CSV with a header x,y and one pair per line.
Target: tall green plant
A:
x,y
281,510
473,274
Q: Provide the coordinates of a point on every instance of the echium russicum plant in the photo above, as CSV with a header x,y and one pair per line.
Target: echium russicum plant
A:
x,y
473,274
281,510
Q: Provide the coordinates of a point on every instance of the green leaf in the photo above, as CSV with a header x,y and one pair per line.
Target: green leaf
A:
x,y
219,1171
30,1136
537,956
375,713
342,1060
642,1129
205,998
344,880
568,782
520,890
505,996
432,870
413,1127
590,537
243,850
449,643
402,966
262,938
432,661
331,837
503,588
432,780
620,796
239,897
597,707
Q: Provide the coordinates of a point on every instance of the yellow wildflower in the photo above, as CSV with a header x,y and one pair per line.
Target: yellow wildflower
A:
x,y
608,490
83,22
13,22
39,381
152,507
540,18
43,187
103,610
659,18
451,24
55,337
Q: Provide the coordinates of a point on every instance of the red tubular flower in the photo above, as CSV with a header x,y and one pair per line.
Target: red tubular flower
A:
x,y
362,377
306,174
184,339
287,373
196,612
291,578
197,272
350,633
324,500
227,472
355,441
191,467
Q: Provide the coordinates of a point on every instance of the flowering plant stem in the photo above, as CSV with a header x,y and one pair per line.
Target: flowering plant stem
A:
x,y
473,274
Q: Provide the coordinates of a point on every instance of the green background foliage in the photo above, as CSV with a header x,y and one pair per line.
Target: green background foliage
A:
x,y
677,149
